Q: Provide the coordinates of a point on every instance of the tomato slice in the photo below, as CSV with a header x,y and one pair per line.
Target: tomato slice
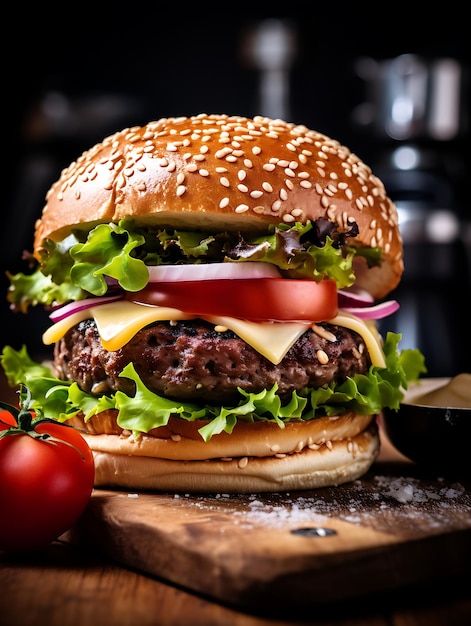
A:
x,y
267,299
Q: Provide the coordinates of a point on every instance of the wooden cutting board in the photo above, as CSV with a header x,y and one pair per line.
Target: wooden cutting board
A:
x,y
394,527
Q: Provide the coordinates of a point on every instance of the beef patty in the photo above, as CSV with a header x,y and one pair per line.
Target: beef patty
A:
x,y
191,361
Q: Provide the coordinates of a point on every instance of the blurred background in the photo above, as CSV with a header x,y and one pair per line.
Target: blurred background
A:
x,y
391,86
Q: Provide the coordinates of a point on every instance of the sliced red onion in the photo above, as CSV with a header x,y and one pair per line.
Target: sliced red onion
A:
x,y
376,312
355,296
74,307
212,271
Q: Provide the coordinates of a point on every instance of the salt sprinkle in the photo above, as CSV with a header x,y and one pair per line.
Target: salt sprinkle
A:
x,y
382,502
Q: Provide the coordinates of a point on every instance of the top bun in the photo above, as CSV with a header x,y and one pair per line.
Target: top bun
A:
x,y
220,172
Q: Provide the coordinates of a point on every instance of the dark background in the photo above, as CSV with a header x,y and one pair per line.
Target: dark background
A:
x,y
74,76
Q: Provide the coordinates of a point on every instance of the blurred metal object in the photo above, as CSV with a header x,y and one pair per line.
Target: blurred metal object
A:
x,y
415,118
411,97
271,48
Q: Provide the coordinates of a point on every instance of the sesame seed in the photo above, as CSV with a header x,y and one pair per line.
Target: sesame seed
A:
x,y
242,208
241,175
181,190
180,178
322,332
224,202
220,154
224,181
242,188
267,187
356,353
243,462
268,167
256,193
322,357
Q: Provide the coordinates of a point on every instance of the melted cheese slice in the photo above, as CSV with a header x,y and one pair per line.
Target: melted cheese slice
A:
x,y
367,331
272,339
118,322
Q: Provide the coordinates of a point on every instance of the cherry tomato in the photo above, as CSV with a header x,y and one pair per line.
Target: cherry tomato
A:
x,y
275,299
46,479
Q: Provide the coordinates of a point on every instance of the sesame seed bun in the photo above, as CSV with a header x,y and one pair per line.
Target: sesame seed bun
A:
x,y
255,457
218,172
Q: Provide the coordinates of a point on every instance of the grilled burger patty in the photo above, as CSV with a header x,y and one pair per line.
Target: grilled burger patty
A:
x,y
191,361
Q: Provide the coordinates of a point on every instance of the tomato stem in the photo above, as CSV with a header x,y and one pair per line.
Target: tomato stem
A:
x,y
27,420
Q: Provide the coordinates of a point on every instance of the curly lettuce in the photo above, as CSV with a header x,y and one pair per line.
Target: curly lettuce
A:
x,y
87,263
363,393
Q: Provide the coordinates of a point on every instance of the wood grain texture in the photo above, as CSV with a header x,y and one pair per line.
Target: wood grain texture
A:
x,y
392,528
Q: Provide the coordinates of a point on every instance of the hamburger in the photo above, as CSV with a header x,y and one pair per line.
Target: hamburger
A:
x,y
214,284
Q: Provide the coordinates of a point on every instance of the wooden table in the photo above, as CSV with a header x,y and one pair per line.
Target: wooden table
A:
x,y
69,585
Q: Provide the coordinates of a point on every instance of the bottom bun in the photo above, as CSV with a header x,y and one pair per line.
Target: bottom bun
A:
x,y
330,462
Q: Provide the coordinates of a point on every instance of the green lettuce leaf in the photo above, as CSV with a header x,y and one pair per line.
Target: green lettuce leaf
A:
x,y
83,263
364,394
32,289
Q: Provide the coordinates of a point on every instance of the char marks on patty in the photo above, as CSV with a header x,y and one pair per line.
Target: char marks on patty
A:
x,y
191,361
